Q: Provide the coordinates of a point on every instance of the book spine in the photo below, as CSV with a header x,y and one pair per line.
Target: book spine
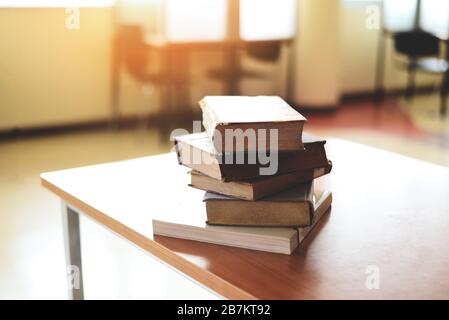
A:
x,y
288,162
178,152
320,211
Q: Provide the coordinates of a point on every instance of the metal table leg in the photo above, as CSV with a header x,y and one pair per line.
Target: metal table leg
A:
x,y
72,244
444,93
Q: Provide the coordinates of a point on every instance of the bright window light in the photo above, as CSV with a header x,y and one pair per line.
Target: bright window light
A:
x,y
434,17
267,19
195,20
399,15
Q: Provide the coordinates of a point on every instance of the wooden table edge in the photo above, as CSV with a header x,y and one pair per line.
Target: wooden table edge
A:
x,y
206,278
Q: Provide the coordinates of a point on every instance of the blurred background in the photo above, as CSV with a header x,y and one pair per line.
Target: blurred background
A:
x,y
84,82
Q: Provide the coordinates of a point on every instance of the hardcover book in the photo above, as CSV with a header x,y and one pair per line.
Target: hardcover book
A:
x,y
197,152
293,207
267,122
256,188
191,226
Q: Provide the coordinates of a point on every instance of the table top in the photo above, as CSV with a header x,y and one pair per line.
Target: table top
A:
x,y
385,237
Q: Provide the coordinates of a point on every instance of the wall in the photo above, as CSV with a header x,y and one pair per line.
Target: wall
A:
x,y
358,48
317,65
49,74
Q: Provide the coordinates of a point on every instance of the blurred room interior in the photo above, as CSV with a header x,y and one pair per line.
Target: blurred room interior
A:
x,y
85,82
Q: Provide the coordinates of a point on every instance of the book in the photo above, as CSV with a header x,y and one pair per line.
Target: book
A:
x,y
191,226
243,123
197,152
256,188
293,207
322,205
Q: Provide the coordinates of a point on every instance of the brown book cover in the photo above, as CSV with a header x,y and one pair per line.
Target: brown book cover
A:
x,y
197,152
228,118
256,188
293,207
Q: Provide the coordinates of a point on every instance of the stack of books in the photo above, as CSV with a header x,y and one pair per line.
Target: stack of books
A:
x,y
258,170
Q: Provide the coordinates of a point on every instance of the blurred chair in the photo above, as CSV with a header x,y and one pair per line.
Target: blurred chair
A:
x,y
248,32
264,51
133,54
232,72
422,50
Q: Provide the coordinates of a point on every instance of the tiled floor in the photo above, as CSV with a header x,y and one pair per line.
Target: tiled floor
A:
x,y
31,250
412,128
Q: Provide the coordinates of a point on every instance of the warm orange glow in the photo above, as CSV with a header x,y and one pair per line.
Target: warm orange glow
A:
x,y
55,3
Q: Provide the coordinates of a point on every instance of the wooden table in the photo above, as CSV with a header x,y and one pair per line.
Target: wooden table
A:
x,y
387,235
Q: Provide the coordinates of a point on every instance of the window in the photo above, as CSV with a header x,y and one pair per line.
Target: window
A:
x,y
195,19
399,15
433,16
267,19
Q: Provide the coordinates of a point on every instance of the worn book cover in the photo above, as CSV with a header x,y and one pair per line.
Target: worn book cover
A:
x,y
267,122
197,152
293,207
190,225
256,188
